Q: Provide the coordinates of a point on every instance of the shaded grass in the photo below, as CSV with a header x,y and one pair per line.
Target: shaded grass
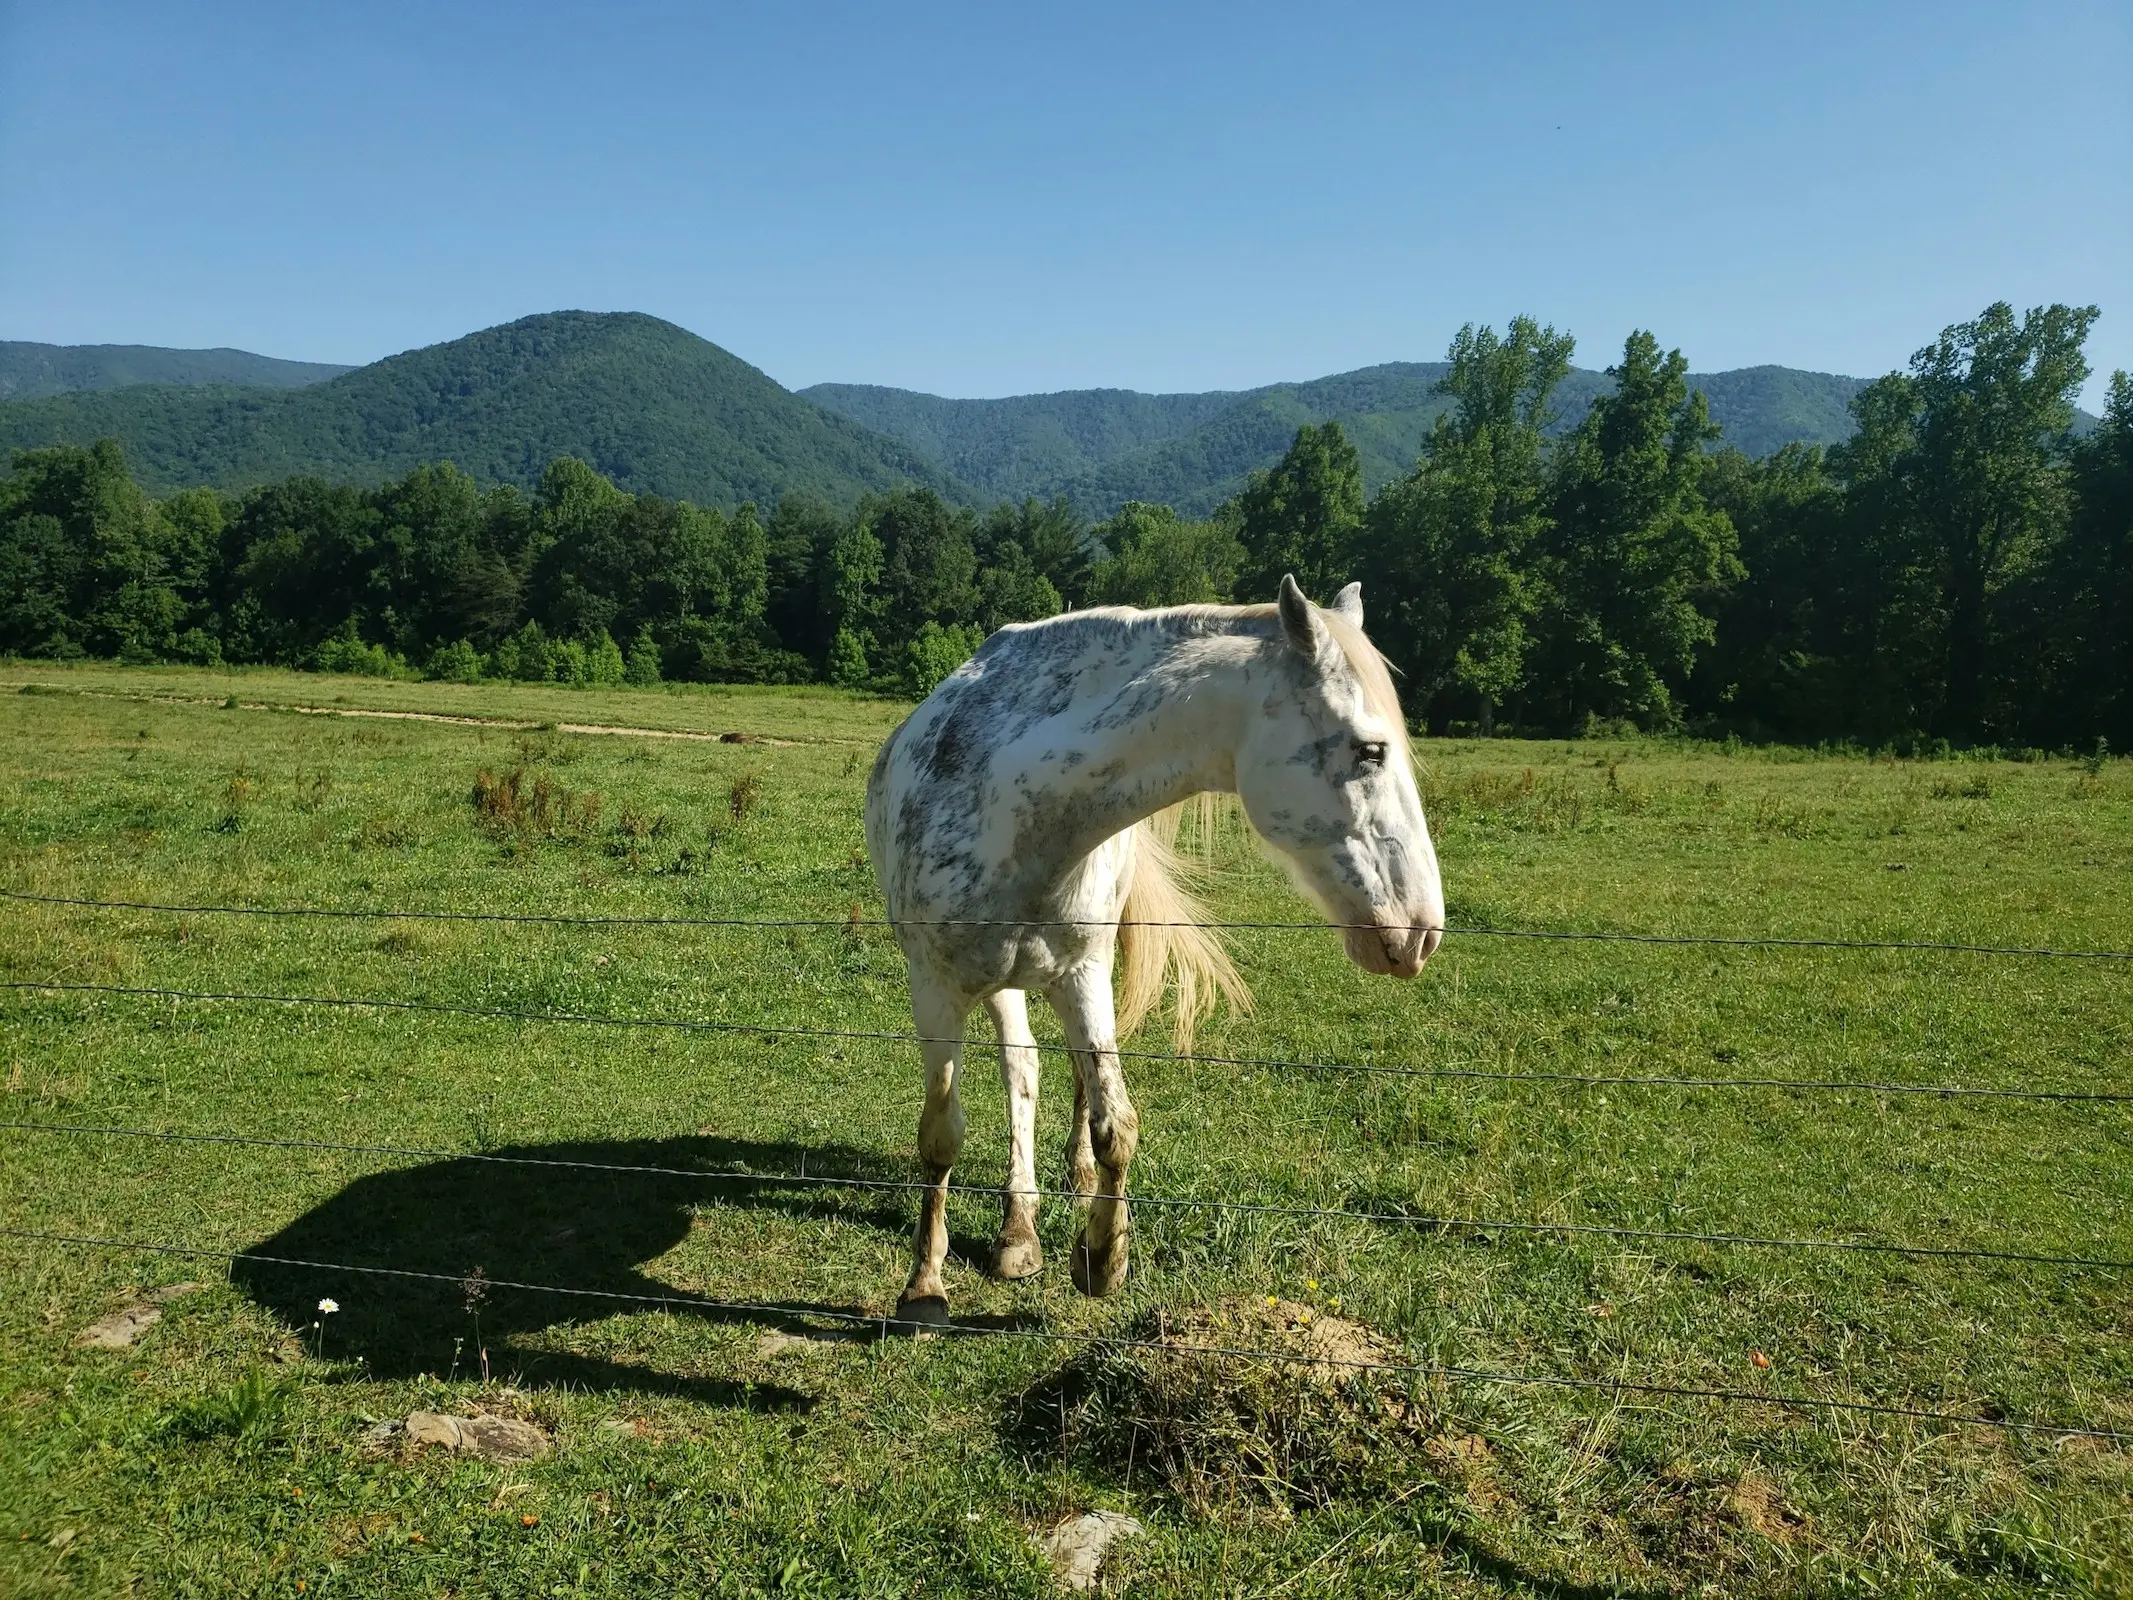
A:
x,y
856,1467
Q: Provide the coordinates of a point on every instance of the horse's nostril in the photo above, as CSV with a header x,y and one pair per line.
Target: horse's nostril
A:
x,y
1431,938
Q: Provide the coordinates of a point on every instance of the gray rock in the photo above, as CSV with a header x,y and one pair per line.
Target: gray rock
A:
x,y
1076,1547
491,1438
121,1328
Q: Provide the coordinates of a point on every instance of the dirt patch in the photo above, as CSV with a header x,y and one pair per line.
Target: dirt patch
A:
x,y
1755,1501
1076,1547
1306,1420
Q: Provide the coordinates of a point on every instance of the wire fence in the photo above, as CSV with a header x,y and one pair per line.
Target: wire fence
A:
x,y
771,1030
1476,930
1420,1221
884,1326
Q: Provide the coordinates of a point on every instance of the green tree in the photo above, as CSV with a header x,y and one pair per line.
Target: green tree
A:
x,y
1449,549
1982,482
1302,515
1636,562
85,560
1784,662
1046,535
1153,558
2099,556
848,577
929,566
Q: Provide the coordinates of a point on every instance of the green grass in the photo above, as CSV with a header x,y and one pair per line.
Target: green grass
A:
x,y
223,1453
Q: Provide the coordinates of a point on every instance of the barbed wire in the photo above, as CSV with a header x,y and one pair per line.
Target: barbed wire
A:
x,y
887,1324
1269,1063
566,919
1408,1219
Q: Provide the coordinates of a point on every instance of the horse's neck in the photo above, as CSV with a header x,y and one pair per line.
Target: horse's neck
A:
x,y
1158,724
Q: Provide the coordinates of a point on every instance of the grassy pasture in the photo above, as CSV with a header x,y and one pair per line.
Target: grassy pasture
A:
x,y
861,1467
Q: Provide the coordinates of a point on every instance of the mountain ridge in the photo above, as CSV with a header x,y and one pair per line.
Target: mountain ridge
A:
x,y
661,410
651,405
34,371
1195,450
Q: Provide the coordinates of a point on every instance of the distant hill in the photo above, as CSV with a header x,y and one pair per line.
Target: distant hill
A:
x,y
653,406
1106,446
660,410
32,371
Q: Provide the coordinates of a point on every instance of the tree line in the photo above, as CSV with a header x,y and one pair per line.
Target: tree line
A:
x,y
1960,569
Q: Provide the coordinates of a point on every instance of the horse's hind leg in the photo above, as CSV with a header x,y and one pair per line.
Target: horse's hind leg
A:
x,y
1018,1254
1083,1000
939,1016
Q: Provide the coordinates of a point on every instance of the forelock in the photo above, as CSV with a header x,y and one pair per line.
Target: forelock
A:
x,y
1370,670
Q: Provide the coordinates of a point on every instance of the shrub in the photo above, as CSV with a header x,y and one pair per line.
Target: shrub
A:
x,y
641,667
567,663
457,662
527,656
345,651
936,652
847,664
604,666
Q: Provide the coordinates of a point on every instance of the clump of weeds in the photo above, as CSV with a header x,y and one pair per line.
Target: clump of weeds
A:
x,y
742,798
634,830
524,806
252,1412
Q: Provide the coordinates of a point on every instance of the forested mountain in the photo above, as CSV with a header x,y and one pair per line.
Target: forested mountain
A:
x,y
651,406
1104,447
32,371
1958,571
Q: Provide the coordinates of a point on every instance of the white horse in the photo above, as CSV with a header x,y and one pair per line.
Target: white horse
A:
x,y
1015,822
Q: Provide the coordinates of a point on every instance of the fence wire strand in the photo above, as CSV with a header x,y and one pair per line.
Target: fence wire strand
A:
x,y
885,1325
816,1180
1270,1063
668,921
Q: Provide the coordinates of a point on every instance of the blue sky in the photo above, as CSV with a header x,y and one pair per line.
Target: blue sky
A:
x,y
996,199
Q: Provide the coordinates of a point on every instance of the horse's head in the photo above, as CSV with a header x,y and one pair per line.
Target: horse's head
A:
x,y
1327,779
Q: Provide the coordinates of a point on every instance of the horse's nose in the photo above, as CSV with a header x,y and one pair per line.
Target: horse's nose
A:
x,y
1431,938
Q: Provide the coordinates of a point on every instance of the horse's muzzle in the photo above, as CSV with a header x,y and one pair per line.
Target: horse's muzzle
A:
x,y
1391,948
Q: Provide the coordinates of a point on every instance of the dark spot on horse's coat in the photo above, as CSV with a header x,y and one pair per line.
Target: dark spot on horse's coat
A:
x,y
1319,752
946,754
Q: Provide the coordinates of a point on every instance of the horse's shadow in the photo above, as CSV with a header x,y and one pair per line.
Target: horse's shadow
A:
x,y
449,1240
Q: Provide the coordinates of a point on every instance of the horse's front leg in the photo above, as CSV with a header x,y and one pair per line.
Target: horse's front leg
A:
x,y
939,1015
1083,1000
1018,1254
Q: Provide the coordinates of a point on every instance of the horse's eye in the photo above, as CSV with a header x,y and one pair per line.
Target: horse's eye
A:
x,y
1371,753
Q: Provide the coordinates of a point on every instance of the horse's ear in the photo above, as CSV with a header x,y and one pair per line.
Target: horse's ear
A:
x,y
1297,621
1349,603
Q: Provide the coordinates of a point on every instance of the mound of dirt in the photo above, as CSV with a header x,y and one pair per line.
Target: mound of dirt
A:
x,y
1305,1420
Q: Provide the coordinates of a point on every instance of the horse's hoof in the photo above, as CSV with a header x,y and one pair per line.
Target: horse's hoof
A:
x,y
1017,1258
926,1313
1098,1272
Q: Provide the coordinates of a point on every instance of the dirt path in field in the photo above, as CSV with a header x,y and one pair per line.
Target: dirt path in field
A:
x,y
507,724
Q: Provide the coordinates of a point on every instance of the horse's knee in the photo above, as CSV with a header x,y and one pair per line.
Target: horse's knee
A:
x,y
940,1135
